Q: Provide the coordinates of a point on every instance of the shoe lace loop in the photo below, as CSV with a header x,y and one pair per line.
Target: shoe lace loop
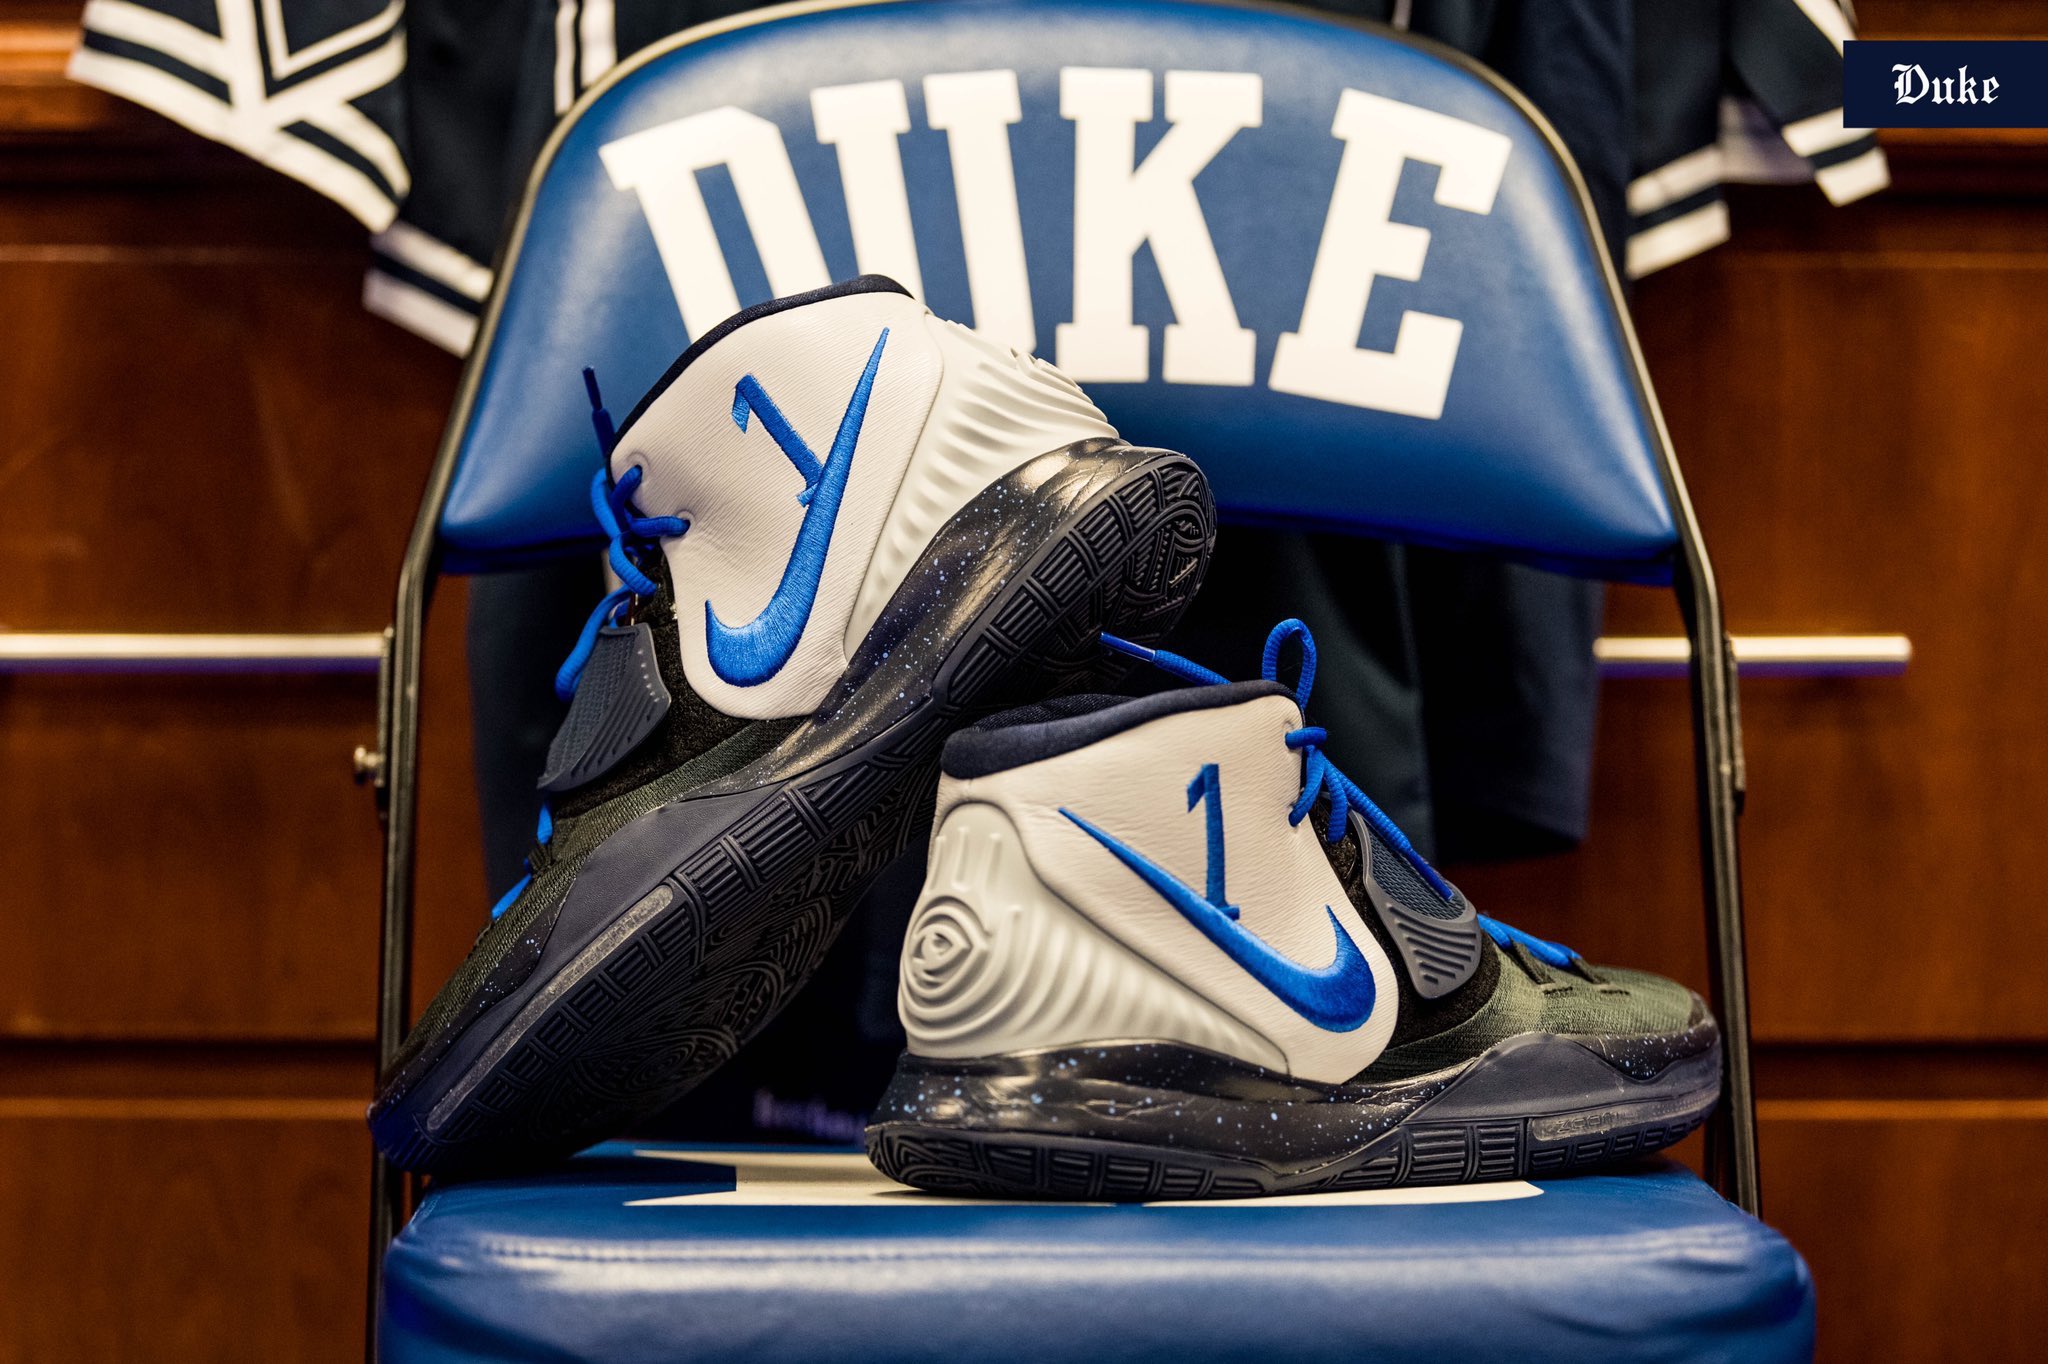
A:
x,y
1320,778
630,535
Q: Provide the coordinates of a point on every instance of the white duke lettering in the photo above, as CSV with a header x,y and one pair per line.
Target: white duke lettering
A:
x,y
1911,84
1121,203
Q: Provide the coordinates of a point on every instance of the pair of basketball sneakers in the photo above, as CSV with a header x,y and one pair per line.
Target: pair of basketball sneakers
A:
x,y
1163,949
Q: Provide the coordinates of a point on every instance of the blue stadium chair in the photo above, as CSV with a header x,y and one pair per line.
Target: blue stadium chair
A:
x,y
1355,276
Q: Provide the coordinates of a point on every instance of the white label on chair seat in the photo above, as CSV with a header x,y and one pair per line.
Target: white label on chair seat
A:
x,y
770,1179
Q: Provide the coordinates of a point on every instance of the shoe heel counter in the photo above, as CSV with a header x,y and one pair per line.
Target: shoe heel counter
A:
x,y
996,409
995,962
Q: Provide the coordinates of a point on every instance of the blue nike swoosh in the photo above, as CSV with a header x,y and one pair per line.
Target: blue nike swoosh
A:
x,y
1337,998
745,655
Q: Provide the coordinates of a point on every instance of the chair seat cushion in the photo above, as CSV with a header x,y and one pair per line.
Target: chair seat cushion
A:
x,y
687,1253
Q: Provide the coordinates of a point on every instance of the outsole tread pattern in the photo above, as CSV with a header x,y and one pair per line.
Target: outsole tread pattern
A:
x,y
1029,1166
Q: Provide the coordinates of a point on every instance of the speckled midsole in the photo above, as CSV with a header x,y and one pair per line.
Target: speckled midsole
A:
x,y
1169,1097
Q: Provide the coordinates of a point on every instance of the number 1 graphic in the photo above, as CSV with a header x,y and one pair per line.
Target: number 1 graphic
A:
x,y
1208,785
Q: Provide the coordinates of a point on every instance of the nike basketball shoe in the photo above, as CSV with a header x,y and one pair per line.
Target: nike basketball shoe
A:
x,y
842,528
1165,950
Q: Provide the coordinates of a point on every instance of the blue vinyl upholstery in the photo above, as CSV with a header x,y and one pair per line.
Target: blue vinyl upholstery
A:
x,y
1546,448
827,1261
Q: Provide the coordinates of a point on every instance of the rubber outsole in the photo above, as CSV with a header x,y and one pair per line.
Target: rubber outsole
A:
x,y
688,971
1452,1127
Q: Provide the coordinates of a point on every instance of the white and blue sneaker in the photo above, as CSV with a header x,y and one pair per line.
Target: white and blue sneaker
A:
x,y
1165,950
843,528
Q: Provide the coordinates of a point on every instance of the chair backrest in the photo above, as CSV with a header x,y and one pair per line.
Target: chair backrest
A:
x,y
1353,274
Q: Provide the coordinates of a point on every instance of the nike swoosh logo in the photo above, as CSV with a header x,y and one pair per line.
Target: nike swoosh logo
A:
x,y
1337,998
746,655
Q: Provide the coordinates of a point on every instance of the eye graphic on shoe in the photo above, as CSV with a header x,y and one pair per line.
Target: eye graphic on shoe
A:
x,y
946,965
937,946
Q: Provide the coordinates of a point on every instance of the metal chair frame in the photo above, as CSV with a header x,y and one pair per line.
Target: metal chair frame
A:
x,y
393,770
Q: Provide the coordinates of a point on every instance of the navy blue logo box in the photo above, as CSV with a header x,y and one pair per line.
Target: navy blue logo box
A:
x,y
1974,84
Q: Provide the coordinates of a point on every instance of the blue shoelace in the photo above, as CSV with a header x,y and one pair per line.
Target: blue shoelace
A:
x,y
631,535
1320,777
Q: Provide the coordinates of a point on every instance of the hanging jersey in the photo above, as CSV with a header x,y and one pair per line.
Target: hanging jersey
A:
x,y
1732,91
423,117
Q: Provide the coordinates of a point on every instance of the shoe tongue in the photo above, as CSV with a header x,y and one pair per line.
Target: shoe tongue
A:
x,y
1347,857
619,701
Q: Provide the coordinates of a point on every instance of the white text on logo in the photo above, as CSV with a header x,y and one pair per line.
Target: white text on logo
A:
x,y
1911,84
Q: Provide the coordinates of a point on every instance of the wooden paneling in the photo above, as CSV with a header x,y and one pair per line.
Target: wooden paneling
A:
x,y
245,476
1950,19
202,864
1912,1071
166,1229
200,429
36,102
1879,474
1920,1221
72,1068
